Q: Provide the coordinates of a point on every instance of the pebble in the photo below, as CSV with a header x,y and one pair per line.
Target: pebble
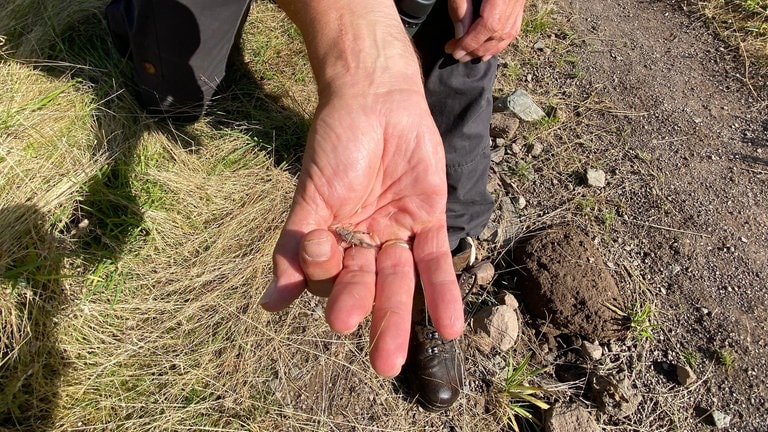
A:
x,y
521,104
721,419
591,351
497,154
537,149
595,177
540,45
685,375
500,323
519,202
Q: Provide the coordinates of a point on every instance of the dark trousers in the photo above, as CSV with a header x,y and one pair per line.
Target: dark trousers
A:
x,y
179,50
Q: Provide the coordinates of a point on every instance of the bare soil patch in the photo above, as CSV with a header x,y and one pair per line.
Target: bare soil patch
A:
x,y
675,120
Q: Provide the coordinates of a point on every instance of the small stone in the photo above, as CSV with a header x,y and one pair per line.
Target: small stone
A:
x,y
507,299
536,150
521,104
490,233
569,418
500,323
503,125
721,419
743,239
540,45
595,177
519,202
497,154
685,375
484,273
517,149
591,351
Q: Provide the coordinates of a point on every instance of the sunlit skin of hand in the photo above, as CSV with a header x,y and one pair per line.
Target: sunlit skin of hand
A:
x,y
374,161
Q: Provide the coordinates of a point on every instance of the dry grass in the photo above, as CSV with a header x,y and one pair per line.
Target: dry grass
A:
x,y
744,25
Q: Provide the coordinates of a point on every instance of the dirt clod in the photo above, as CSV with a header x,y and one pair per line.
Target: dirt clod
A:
x,y
562,280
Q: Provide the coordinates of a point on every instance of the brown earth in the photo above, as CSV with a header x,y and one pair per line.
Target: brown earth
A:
x,y
562,281
680,126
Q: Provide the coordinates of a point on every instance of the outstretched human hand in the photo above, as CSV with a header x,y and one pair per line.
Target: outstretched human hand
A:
x,y
487,35
374,162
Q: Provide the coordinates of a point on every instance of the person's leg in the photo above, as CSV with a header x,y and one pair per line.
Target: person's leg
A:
x,y
459,96
179,49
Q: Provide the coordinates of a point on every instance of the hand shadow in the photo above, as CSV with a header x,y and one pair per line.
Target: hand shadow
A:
x,y
31,296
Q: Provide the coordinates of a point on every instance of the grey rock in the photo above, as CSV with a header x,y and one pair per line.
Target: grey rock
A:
x,y
519,202
497,154
721,419
685,375
540,45
501,325
520,103
569,418
595,177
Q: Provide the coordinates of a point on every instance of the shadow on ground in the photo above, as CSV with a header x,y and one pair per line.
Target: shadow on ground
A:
x,y
31,361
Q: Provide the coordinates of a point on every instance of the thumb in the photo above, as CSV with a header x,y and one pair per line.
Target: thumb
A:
x,y
461,15
289,280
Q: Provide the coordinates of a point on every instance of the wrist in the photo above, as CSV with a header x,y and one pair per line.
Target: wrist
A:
x,y
355,46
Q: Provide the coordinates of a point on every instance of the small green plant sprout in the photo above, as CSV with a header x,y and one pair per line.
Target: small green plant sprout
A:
x,y
521,395
523,170
690,357
608,217
638,320
726,358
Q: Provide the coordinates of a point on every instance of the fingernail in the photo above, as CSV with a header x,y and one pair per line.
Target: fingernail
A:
x,y
458,30
269,293
317,250
458,54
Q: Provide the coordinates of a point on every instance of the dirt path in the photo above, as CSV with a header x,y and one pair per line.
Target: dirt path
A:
x,y
699,232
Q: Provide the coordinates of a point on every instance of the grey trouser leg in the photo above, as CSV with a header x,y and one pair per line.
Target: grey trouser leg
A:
x,y
459,96
179,49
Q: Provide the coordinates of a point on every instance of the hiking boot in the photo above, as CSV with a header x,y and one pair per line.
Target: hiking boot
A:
x,y
434,365
435,369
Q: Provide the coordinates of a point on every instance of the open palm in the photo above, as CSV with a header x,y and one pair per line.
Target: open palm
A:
x,y
373,163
